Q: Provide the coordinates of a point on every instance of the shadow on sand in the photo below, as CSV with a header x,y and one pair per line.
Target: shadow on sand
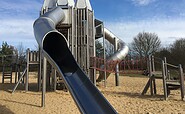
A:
x,y
4,110
8,87
19,103
134,95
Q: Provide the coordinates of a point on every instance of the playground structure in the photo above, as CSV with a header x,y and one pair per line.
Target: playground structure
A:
x,y
8,64
33,60
63,41
66,33
130,65
171,75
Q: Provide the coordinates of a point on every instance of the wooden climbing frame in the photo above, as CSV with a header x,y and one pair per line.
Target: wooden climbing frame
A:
x,y
169,82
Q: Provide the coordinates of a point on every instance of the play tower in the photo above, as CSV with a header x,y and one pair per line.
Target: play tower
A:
x,y
66,32
78,29
81,29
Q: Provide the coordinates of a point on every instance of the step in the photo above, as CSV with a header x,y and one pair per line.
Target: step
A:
x,y
173,85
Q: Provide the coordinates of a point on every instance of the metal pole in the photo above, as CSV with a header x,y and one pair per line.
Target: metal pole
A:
x,y
104,57
19,80
117,66
44,82
40,70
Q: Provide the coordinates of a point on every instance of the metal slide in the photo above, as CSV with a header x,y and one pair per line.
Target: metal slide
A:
x,y
54,47
120,54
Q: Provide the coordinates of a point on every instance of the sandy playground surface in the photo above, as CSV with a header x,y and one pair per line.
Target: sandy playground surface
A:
x,y
126,99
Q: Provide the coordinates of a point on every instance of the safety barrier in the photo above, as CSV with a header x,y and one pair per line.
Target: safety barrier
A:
x,y
126,66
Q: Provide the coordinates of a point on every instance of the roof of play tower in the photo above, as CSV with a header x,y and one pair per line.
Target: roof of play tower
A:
x,y
66,2
83,4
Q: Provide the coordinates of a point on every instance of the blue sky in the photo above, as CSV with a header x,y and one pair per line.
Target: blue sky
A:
x,y
125,18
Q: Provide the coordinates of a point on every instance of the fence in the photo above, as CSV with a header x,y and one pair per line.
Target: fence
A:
x,y
126,66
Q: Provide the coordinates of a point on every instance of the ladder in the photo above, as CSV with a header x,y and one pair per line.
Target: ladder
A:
x,y
7,73
168,83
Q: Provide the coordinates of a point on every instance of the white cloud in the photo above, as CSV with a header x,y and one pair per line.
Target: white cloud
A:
x,y
17,21
19,9
20,5
16,31
167,30
143,2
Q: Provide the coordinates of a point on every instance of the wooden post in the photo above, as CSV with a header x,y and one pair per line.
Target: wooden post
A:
x,y
27,74
181,81
2,68
164,81
16,68
154,84
150,74
11,73
94,51
166,69
44,82
93,70
153,64
72,32
3,74
54,78
48,69
151,80
153,77
87,37
146,87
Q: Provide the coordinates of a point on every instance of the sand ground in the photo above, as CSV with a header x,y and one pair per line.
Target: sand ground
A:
x,y
126,99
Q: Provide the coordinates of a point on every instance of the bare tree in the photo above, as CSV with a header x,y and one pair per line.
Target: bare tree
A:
x,y
99,49
145,44
109,49
21,52
178,52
